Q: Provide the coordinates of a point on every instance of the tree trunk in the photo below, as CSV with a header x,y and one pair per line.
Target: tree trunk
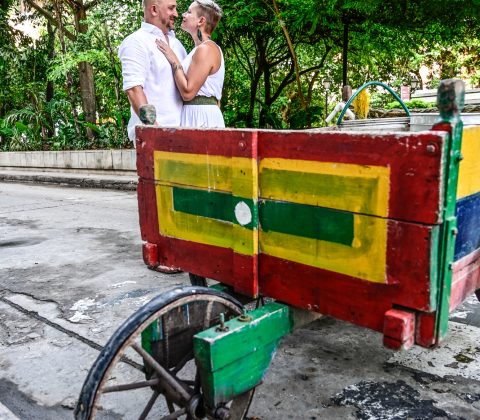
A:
x,y
50,92
267,83
253,96
85,71
68,79
87,91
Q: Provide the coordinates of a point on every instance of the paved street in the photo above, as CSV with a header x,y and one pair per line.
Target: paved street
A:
x,y
71,271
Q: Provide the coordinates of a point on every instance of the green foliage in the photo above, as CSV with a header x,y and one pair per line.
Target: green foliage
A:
x,y
413,104
41,103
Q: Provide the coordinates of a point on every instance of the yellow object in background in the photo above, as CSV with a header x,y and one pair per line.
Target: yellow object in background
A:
x,y
361,104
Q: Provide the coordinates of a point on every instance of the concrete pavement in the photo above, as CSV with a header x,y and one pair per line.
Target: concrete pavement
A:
x,y
71,272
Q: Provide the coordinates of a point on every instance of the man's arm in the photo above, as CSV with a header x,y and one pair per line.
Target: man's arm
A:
x,y
136,97
134,58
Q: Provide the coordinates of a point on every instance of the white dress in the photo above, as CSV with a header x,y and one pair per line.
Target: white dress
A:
x,y
205,115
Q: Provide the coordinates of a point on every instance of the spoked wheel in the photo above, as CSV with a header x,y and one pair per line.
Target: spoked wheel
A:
x,y
147,369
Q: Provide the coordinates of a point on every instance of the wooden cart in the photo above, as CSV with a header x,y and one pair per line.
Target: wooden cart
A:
x,y
380,229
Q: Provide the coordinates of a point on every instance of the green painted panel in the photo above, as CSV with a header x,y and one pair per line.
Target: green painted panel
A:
x,y
307,221
290,218
214,349
211,204
450,101
234,361
434,271
152,333
236,378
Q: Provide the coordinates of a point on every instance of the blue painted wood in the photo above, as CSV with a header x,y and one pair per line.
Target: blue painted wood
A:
x,y
468,224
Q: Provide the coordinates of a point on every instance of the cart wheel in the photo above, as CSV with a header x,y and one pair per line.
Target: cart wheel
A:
x,y
197,280
131,372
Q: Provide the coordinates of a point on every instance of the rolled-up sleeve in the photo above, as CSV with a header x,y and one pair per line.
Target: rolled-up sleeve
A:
x,y
134,58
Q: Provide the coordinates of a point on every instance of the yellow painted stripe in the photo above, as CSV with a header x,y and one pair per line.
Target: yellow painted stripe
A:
x,y
202,229
349,187
469,174
365,259
219,173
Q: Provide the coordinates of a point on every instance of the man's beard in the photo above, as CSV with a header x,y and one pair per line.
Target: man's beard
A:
x,y
169,24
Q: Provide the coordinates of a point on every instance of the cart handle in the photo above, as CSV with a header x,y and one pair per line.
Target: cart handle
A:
x,y
345,108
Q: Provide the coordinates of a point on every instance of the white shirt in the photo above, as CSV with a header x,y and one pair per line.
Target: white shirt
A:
x,y
144,65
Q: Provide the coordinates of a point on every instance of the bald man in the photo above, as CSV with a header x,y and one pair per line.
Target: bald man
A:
x,y
147,75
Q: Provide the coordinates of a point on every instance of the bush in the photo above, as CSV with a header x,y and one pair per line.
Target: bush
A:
x,y
414,103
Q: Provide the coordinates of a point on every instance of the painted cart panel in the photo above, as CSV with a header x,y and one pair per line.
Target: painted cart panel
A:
x,y
346,224
466,267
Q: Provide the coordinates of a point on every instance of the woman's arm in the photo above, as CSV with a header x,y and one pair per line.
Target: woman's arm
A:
x,y
205,61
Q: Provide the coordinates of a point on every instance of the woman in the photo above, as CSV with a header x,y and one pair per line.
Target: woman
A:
x,y
199,77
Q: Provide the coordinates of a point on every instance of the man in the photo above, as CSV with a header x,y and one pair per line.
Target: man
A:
x,y
147,75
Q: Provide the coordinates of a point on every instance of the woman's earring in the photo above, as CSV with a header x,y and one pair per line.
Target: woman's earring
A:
x,y
199,35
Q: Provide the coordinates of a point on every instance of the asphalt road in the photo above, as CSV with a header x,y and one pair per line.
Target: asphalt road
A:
x,y
71,271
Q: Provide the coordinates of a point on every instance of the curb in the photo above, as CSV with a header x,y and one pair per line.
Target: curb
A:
x,y
6,414
83,182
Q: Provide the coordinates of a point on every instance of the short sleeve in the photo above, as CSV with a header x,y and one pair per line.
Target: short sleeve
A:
x,y
134,58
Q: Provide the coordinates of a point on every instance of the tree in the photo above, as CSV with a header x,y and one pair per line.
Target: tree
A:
x,y
56,14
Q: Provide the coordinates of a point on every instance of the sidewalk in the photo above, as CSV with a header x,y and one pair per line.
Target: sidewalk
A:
x,y
65,178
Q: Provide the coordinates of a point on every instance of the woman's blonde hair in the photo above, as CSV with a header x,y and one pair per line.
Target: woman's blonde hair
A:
x,y
212,13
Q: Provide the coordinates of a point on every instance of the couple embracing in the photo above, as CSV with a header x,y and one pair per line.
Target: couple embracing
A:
x,y
185,89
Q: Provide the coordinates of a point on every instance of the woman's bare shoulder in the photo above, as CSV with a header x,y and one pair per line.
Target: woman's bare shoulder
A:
x,y
208,47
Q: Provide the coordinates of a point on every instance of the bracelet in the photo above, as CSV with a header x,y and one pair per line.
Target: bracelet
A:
x,y
176,67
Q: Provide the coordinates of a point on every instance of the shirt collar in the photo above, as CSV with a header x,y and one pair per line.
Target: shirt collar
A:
x,y
154,30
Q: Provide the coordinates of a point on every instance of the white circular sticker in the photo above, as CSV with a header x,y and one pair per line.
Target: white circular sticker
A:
x,y
243,213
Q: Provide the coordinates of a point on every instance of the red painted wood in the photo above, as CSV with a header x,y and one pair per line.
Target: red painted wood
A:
x,y
216,263
415,180
392,344
142,208
465,279
351,299
343,297
425,330
399,326
409,265
230,143
150,254
408,272
147,211
415,177
415,172
222,264
472,258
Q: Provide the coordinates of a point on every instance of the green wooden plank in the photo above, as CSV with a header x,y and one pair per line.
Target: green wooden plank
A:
x,y
450,102
232,362
151,334
307,221
434,267
214,349
290,218
212,204
236,378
